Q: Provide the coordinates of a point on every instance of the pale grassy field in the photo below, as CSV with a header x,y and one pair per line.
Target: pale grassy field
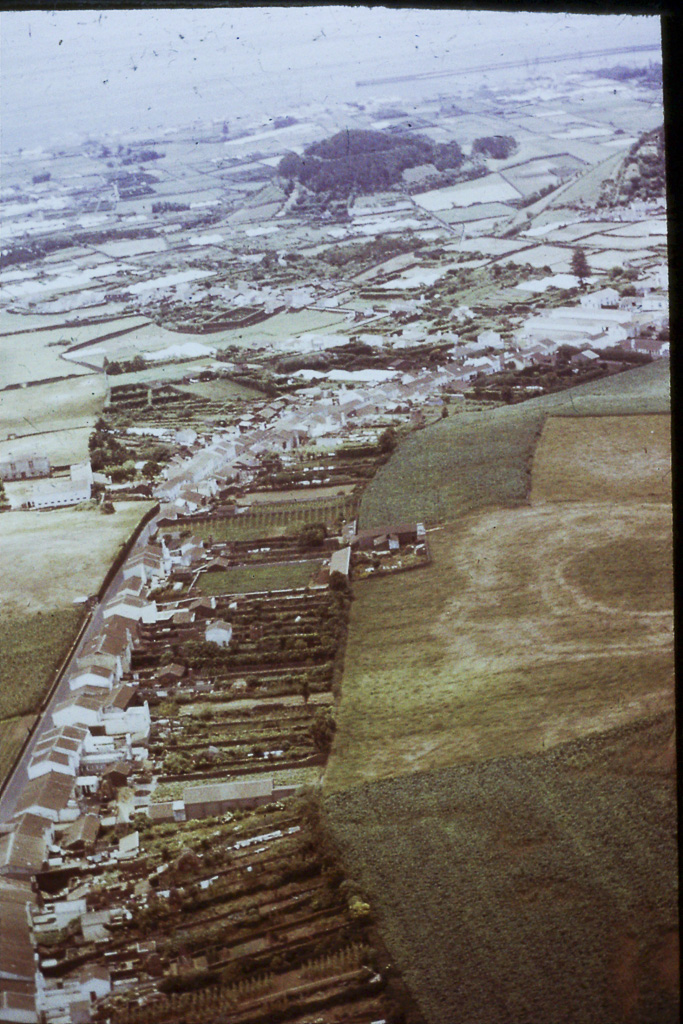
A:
x,y
28,357
490,189
61,447
532,626
51,558
619,458
509,643
47,407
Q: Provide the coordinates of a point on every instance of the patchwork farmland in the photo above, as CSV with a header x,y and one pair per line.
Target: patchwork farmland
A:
x,y
521,695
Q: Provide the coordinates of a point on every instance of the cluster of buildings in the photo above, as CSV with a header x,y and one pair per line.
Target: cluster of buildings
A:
x,y
41,489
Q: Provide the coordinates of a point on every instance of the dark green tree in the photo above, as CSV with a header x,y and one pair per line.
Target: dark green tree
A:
x,y
580,266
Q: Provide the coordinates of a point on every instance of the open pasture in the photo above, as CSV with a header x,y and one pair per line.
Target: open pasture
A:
x,y
489,189
29,357
61,447
62,405
13,731
605,259
32,647
622,458
531,627
553,256
41,572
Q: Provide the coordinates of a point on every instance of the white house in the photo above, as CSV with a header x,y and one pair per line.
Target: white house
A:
x,y
56,492
92,674
131,607
71,998
218,632
84,708
119,718
605,297
24,468
56,751
48,796
490,339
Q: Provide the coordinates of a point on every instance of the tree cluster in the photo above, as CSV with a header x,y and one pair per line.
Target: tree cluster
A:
x,y
365,161
497,146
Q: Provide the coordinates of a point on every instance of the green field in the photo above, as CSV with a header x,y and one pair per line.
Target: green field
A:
x,y
13,731
478,460
245,580
276,520
31,648
502,778
515,639
528,889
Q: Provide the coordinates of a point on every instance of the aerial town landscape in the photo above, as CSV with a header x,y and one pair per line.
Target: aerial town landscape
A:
x,y
336,613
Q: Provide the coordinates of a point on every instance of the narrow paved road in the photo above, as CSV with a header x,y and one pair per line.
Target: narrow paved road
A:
x,y
19,777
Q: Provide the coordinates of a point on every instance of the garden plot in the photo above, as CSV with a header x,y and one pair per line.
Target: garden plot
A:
x,y
257,579
263,923
489,189
304,494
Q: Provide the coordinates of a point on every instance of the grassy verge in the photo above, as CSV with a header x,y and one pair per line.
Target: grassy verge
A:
x,y
31,648
244,580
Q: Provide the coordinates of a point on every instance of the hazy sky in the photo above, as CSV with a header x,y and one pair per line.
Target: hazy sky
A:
x,y
67,73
